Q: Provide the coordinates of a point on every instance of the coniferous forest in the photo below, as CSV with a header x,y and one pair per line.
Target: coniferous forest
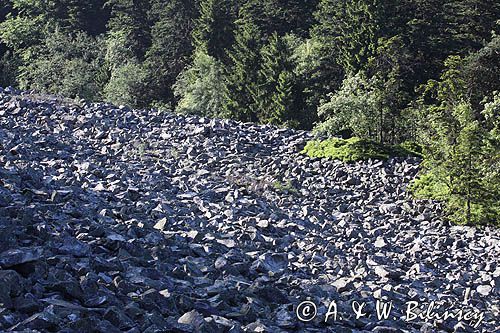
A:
x,y
420,74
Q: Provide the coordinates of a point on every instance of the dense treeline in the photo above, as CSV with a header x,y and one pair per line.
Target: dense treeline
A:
x,y
389,71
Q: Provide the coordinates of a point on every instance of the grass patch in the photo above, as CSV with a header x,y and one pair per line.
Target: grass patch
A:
x,y
285,187
429,186
356,149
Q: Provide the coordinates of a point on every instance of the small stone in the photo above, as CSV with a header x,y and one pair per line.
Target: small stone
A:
x,y
118,318
74,247
484,290
11,285
193,318
380,242
381,272
220,262
227,242
19,256
160,225
343,284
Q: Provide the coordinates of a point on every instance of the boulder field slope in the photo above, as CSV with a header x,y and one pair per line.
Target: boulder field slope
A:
x,y
121,220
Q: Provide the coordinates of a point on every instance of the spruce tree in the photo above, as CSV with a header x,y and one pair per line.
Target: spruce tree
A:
x,y
470,23
129,29
241,100
284,109
127,40
214,29
7,61
461,150
281,16
428,38
171,45
352,29
277,88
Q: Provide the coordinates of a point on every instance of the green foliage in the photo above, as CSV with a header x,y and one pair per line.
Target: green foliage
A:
x,y
317,76
354,108
242,78
20,33
127,40
372,104
171,45
481,71
429,185
8,69
411,147
129,30
292,16
277,91
36,18
353,149
66,65
200,87
461,149
470,23
127,85
351,29
287,187
213,31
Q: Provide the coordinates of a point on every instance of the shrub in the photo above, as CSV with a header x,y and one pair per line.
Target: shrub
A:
x,y
127,85
354,149
201,87
70,65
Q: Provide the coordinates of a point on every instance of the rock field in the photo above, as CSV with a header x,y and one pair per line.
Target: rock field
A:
x,y
120,220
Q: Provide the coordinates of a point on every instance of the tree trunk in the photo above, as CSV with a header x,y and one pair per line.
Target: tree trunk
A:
x,y
469,187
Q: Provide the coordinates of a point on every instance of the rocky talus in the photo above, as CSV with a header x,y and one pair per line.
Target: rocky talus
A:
x,y
121,220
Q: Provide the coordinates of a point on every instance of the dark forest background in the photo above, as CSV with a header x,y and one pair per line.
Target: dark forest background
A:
x,y
419,71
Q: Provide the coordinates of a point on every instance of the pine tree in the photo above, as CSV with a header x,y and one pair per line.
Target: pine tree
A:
x,y
242,78
460,151
7,61
284,110
482,73
470,23
358,41
127,39
171,45
428,38
291,16
352,29
214,29
390,66
54,46
281,16
277,89
467,156
31,23
128,29
88,16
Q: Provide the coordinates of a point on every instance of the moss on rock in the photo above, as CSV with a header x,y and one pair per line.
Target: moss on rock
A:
x,y
356,149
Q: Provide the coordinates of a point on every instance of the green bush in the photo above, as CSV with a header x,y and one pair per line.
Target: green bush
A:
x,y
429,186
356,149
201,87
8,68
461,142
127,85
69,65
